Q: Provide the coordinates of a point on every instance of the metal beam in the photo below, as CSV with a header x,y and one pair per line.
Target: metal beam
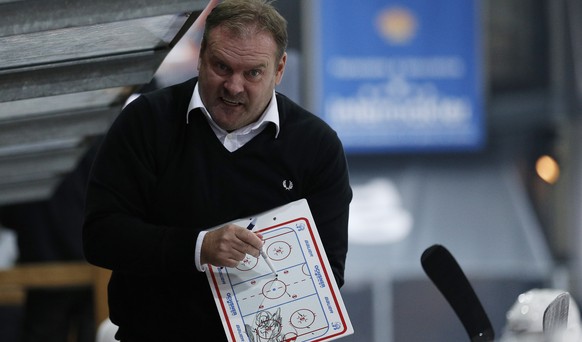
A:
x,y
66,70
78,76
27,16
58,126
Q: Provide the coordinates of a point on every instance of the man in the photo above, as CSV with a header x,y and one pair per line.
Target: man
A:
x,y
189,157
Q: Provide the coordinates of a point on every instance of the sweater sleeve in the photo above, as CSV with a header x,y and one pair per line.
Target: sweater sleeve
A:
x,y
117,233
329,197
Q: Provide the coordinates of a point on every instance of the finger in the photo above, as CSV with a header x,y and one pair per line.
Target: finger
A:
x,y
230,259
221,250
231,263
250,238
229,245
245,249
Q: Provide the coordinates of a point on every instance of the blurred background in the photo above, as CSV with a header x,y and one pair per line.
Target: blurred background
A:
x,y
461,123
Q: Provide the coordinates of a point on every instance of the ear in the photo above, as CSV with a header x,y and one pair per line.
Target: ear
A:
x,y
201,53
280,68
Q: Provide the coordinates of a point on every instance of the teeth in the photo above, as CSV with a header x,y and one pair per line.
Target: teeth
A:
x,y
230,102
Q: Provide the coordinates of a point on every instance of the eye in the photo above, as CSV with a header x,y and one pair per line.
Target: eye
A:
x,y
254,74
221,68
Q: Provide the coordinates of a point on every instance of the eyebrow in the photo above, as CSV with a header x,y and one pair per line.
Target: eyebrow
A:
x,y
222,60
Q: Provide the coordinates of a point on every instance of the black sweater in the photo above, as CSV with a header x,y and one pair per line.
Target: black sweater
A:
x,y
157,182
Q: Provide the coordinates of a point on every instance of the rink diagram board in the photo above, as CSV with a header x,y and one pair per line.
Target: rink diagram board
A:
x,y
301,303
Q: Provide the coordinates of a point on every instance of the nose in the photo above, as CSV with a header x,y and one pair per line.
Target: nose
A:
x,y
234,84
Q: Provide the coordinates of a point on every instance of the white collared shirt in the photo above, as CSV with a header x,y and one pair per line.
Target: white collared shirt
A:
x,y
231,141
237,138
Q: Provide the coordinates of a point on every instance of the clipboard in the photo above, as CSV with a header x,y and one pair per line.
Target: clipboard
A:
x,y
301,303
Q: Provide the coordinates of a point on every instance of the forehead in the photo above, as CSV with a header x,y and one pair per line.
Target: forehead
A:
x,y
243,47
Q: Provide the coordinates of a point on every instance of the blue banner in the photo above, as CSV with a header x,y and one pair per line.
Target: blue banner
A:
x,y
401,75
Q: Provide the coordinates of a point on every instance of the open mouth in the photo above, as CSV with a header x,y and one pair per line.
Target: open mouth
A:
x,y
230,103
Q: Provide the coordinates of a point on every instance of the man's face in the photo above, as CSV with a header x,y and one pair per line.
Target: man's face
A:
x,y
237,76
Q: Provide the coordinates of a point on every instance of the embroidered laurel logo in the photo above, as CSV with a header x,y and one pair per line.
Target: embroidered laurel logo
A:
x,y
288,185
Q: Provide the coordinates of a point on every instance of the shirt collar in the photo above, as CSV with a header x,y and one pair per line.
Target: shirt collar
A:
x,y
271,114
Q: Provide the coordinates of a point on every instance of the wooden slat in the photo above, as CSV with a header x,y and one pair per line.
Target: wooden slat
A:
x,y
15,281
49,275
11,295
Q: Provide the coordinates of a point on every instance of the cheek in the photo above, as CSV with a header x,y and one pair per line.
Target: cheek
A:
x,y
259,98
210,75
212,82
254,95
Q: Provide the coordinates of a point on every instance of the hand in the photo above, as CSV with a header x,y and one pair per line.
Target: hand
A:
x,y
228,246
